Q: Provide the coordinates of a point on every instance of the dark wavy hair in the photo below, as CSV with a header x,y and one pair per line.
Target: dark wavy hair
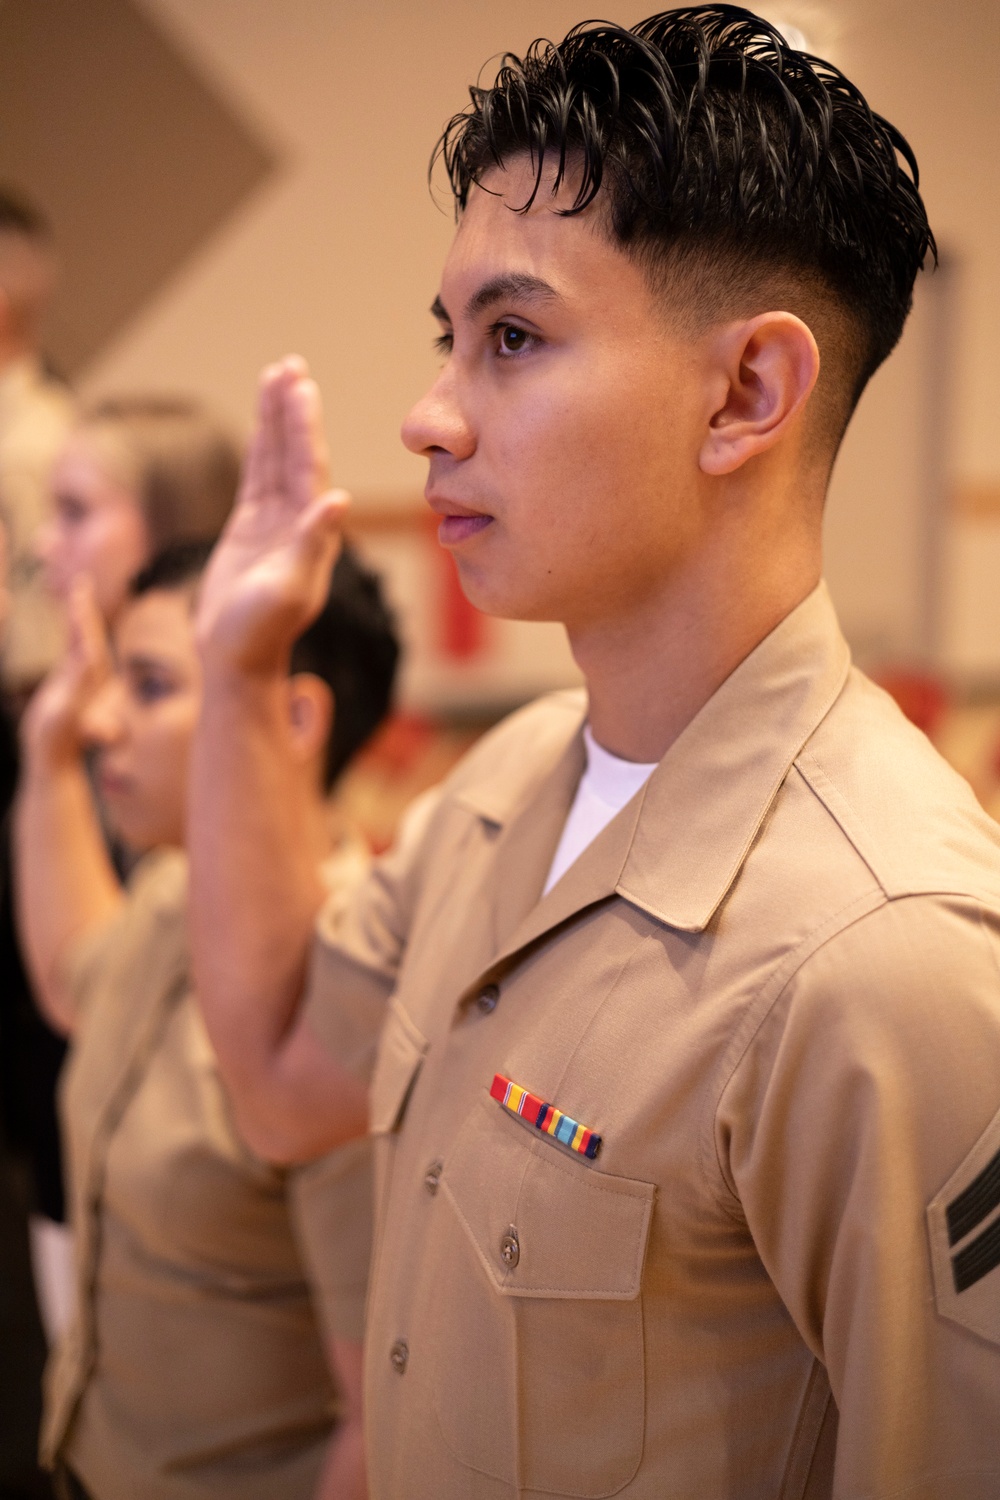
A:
x,y
725,156
352,644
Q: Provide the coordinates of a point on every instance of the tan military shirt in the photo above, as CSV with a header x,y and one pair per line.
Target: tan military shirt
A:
x,y
771,987
196,1365
35,416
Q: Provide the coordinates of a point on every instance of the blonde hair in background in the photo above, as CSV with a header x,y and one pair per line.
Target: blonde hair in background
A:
x,y
181,464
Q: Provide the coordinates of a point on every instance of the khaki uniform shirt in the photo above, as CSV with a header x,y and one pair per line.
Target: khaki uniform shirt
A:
x,y
771,987
196,1364
35,416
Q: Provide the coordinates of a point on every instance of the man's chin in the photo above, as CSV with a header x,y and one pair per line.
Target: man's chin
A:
x,y
501,598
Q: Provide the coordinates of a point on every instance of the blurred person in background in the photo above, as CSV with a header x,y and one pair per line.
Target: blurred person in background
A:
x,y
133,474
35,413
136,474
22,1341
203,1358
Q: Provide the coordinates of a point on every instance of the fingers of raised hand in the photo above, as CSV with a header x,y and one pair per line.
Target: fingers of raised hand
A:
x,y
88,641
286,459
305,444
262,466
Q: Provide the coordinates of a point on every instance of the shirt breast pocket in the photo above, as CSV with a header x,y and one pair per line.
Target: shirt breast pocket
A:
x,y
539,1370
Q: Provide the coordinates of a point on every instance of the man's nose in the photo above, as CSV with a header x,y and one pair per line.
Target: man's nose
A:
x,y
438,423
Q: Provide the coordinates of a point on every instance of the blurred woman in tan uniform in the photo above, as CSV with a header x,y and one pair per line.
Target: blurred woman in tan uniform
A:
x,y
132,475
204,1360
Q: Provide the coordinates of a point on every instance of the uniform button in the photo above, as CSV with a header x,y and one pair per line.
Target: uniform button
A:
x,y
398,1355
487,998
432,1176
510,1249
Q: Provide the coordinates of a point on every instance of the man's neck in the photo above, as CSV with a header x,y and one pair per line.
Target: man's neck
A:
x,y
650,670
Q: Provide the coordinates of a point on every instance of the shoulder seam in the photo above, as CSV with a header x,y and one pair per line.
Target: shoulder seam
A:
x,y
764,1000
827,794
856,832
784,974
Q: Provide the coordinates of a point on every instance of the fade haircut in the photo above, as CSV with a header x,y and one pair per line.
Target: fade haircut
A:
x,y
352,644
732,167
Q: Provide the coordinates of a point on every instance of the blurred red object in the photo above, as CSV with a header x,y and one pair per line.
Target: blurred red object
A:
x,y
924,699
406,756
399,743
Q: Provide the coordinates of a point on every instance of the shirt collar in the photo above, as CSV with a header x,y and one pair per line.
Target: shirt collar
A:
x,y
677,847
498,789
705,802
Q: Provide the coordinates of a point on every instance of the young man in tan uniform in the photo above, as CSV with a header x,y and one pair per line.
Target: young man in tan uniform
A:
x,y
687,1091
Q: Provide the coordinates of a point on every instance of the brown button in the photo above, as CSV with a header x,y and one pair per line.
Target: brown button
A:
x,y
510,1249
432,1176
486,1000
398,1355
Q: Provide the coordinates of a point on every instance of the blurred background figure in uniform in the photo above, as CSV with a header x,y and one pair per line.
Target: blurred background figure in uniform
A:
x,y
129,476
22,1344
35,412
216,1346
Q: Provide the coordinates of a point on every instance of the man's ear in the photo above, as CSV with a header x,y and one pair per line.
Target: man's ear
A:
x,y
310,716
766,368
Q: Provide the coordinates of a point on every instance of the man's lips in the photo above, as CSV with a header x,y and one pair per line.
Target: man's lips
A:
x,y
454,529
458,522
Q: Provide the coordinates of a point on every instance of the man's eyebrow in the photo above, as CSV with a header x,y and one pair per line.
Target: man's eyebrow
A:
x,y
516,284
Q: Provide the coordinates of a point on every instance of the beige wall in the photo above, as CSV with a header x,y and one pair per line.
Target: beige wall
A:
x,y
338,255
339,259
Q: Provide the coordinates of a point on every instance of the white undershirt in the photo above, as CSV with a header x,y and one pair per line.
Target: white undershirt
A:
x,y
605,786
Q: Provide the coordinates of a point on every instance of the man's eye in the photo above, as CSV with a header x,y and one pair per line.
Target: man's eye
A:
x,y
513,339
443,343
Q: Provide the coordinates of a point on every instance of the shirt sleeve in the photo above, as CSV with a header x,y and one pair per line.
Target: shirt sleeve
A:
x,y
360,940
861,1136
331,1207
156,892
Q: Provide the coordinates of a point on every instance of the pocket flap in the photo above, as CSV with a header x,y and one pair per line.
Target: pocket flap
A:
x,y
401,1049
543,1223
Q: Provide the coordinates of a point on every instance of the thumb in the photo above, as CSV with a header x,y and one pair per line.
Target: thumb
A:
x,y
319,525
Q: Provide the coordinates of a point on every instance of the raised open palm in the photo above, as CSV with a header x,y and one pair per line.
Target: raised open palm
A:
x,y
269,575
52,725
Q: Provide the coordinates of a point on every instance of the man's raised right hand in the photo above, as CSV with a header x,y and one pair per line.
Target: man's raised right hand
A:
x,y
270,573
